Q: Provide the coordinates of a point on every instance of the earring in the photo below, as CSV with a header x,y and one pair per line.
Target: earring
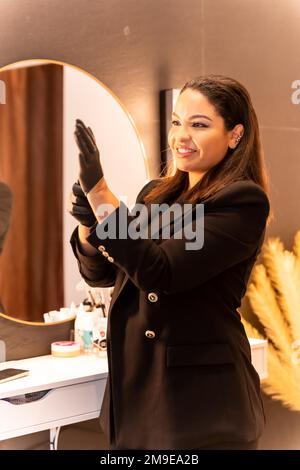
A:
x,y
238,139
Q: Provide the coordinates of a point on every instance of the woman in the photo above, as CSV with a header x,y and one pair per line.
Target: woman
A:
x,y
5,212
180,372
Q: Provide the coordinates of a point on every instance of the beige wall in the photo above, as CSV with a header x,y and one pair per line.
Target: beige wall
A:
x,y
138,47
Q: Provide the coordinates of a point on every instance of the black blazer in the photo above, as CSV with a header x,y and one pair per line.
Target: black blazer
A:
x,y
180,372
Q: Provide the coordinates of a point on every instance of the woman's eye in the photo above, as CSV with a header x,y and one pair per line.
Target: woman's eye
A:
x,y
198,124
194,124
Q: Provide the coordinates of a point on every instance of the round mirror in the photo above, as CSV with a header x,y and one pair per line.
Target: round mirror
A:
x,y
39,103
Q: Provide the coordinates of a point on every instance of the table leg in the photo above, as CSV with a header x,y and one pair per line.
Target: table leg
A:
x,y
54,433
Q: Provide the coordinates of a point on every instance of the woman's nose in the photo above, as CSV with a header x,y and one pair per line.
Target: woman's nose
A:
x,y
183,134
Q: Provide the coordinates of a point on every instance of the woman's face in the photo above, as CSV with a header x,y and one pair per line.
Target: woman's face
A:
x,y
198,138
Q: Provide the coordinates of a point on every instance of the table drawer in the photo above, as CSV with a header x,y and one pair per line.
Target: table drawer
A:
x,y
57,404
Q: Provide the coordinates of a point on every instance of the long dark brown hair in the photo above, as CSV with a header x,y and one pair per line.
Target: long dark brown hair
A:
x,y
246,162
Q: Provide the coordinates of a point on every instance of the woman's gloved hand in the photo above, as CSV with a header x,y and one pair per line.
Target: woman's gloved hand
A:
x,y
80,208
89,157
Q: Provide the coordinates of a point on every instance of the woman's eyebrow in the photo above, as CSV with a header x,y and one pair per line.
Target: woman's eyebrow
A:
x,y
195,116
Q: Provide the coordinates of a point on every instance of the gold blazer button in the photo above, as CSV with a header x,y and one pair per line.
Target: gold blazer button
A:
x,y
152,297
150,334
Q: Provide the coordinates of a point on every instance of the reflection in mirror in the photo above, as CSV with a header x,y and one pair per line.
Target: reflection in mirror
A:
x,y
39,163
5,211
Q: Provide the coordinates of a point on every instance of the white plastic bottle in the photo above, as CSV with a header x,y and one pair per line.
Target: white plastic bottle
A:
x,y
87,336
78,327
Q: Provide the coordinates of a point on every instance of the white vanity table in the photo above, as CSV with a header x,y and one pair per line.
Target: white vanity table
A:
x,y
75,391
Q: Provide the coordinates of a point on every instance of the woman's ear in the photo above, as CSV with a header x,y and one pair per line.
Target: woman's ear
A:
x,y
235,136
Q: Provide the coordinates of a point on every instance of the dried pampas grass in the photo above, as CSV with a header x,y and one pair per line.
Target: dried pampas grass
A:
x,y
274,295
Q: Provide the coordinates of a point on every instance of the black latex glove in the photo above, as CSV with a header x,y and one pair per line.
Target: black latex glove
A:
x,y
89,158
80,208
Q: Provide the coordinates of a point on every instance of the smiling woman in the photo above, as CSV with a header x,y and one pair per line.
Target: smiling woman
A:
x,y
213,139
180,371
199,141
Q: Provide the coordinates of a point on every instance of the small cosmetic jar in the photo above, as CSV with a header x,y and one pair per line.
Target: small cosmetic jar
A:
x,y
65,349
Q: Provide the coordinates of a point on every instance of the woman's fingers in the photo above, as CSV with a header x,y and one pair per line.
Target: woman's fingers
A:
x,y
80,211
84,151
80,122
84,135
87,136
92,135
80,125
86,129
89,159
79,142
77,190
80,201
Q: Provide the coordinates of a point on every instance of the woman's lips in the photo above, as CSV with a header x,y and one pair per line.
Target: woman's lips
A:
x,y
184,152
